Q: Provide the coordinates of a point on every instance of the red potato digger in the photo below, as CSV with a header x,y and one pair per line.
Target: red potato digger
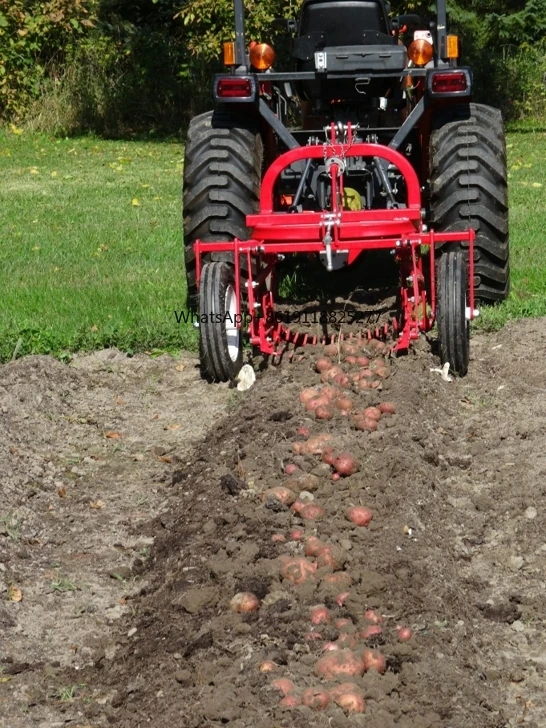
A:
x,y
390,153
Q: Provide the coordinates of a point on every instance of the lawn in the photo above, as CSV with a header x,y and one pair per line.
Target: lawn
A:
x,y
527,199
91,252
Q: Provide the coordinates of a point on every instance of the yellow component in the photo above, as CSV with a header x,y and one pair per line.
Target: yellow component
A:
x,y
351,199
229,54
452,46
262,56
420,52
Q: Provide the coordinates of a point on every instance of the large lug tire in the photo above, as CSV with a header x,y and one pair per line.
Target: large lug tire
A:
x,y
222,174
468,188
451,309
220,345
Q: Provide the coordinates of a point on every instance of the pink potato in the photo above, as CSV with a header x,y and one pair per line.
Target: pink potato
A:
x,y
311,512
374,660
280,493
244,602
359,515
339,663
297,569
315,698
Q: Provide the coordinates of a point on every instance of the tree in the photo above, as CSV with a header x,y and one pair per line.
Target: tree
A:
x,y
209,23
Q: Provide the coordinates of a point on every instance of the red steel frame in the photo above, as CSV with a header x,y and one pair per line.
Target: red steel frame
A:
x,y
276,234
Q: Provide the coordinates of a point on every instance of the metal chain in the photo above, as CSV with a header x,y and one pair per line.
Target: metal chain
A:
x,y
344,146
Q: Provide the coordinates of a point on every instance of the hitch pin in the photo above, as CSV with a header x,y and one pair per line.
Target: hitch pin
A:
x,y
328,245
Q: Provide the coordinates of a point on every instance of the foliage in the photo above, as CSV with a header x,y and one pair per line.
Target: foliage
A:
x,y
211,22
123,66
524,71
505,44
31,34
525,25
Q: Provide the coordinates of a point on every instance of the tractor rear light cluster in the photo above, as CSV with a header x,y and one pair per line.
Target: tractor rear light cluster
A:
x,y
456,82
448,82
234,88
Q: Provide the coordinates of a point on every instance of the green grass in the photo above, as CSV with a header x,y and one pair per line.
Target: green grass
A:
x,y
10,526
527,125
68,693
63,584
82,265
527,199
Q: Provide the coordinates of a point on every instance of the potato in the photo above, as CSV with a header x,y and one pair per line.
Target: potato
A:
x,y
339,663
374,660
244,602
280,493
296,569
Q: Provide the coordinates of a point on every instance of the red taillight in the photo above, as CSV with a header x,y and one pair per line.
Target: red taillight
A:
x,y
449,83
234,88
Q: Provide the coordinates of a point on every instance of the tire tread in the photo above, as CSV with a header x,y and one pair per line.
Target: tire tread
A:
x,y
469,189
222,173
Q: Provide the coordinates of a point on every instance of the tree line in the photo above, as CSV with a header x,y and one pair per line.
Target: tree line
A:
x,y
128,66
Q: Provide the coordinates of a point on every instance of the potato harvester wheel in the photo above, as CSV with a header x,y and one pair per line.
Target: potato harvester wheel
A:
x,y
220,345
452,313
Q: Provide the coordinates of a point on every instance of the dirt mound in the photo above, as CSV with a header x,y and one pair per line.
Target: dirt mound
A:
x,y
83,456
455,551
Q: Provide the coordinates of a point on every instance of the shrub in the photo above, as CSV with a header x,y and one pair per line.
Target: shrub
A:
x,y
31,34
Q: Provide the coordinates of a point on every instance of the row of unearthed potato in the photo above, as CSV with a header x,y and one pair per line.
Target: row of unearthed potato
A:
x,y
347,371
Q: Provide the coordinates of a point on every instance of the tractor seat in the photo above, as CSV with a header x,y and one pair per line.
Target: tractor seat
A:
x,y
346,22
351,37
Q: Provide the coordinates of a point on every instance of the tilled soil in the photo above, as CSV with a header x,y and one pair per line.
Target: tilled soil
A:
x,y
127,550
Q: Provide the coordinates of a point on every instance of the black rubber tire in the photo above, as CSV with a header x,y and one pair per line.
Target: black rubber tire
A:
x,y
216,363
468,188
451,301
222,175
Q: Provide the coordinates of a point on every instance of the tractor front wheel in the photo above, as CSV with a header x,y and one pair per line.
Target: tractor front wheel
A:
x,y
220,345
451,310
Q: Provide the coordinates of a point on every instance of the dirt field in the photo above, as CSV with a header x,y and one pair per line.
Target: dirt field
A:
x,y
131,514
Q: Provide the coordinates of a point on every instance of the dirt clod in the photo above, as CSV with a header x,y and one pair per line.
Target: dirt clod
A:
x,y
231,485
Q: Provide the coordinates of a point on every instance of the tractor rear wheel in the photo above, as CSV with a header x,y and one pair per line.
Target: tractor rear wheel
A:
x,y
220,344
451,309
222,174
468,189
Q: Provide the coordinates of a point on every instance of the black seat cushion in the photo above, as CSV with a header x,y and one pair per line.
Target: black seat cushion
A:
x,y
345,22
354,34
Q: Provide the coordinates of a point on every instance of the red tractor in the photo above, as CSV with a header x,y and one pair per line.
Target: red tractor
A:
x,y
391,153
